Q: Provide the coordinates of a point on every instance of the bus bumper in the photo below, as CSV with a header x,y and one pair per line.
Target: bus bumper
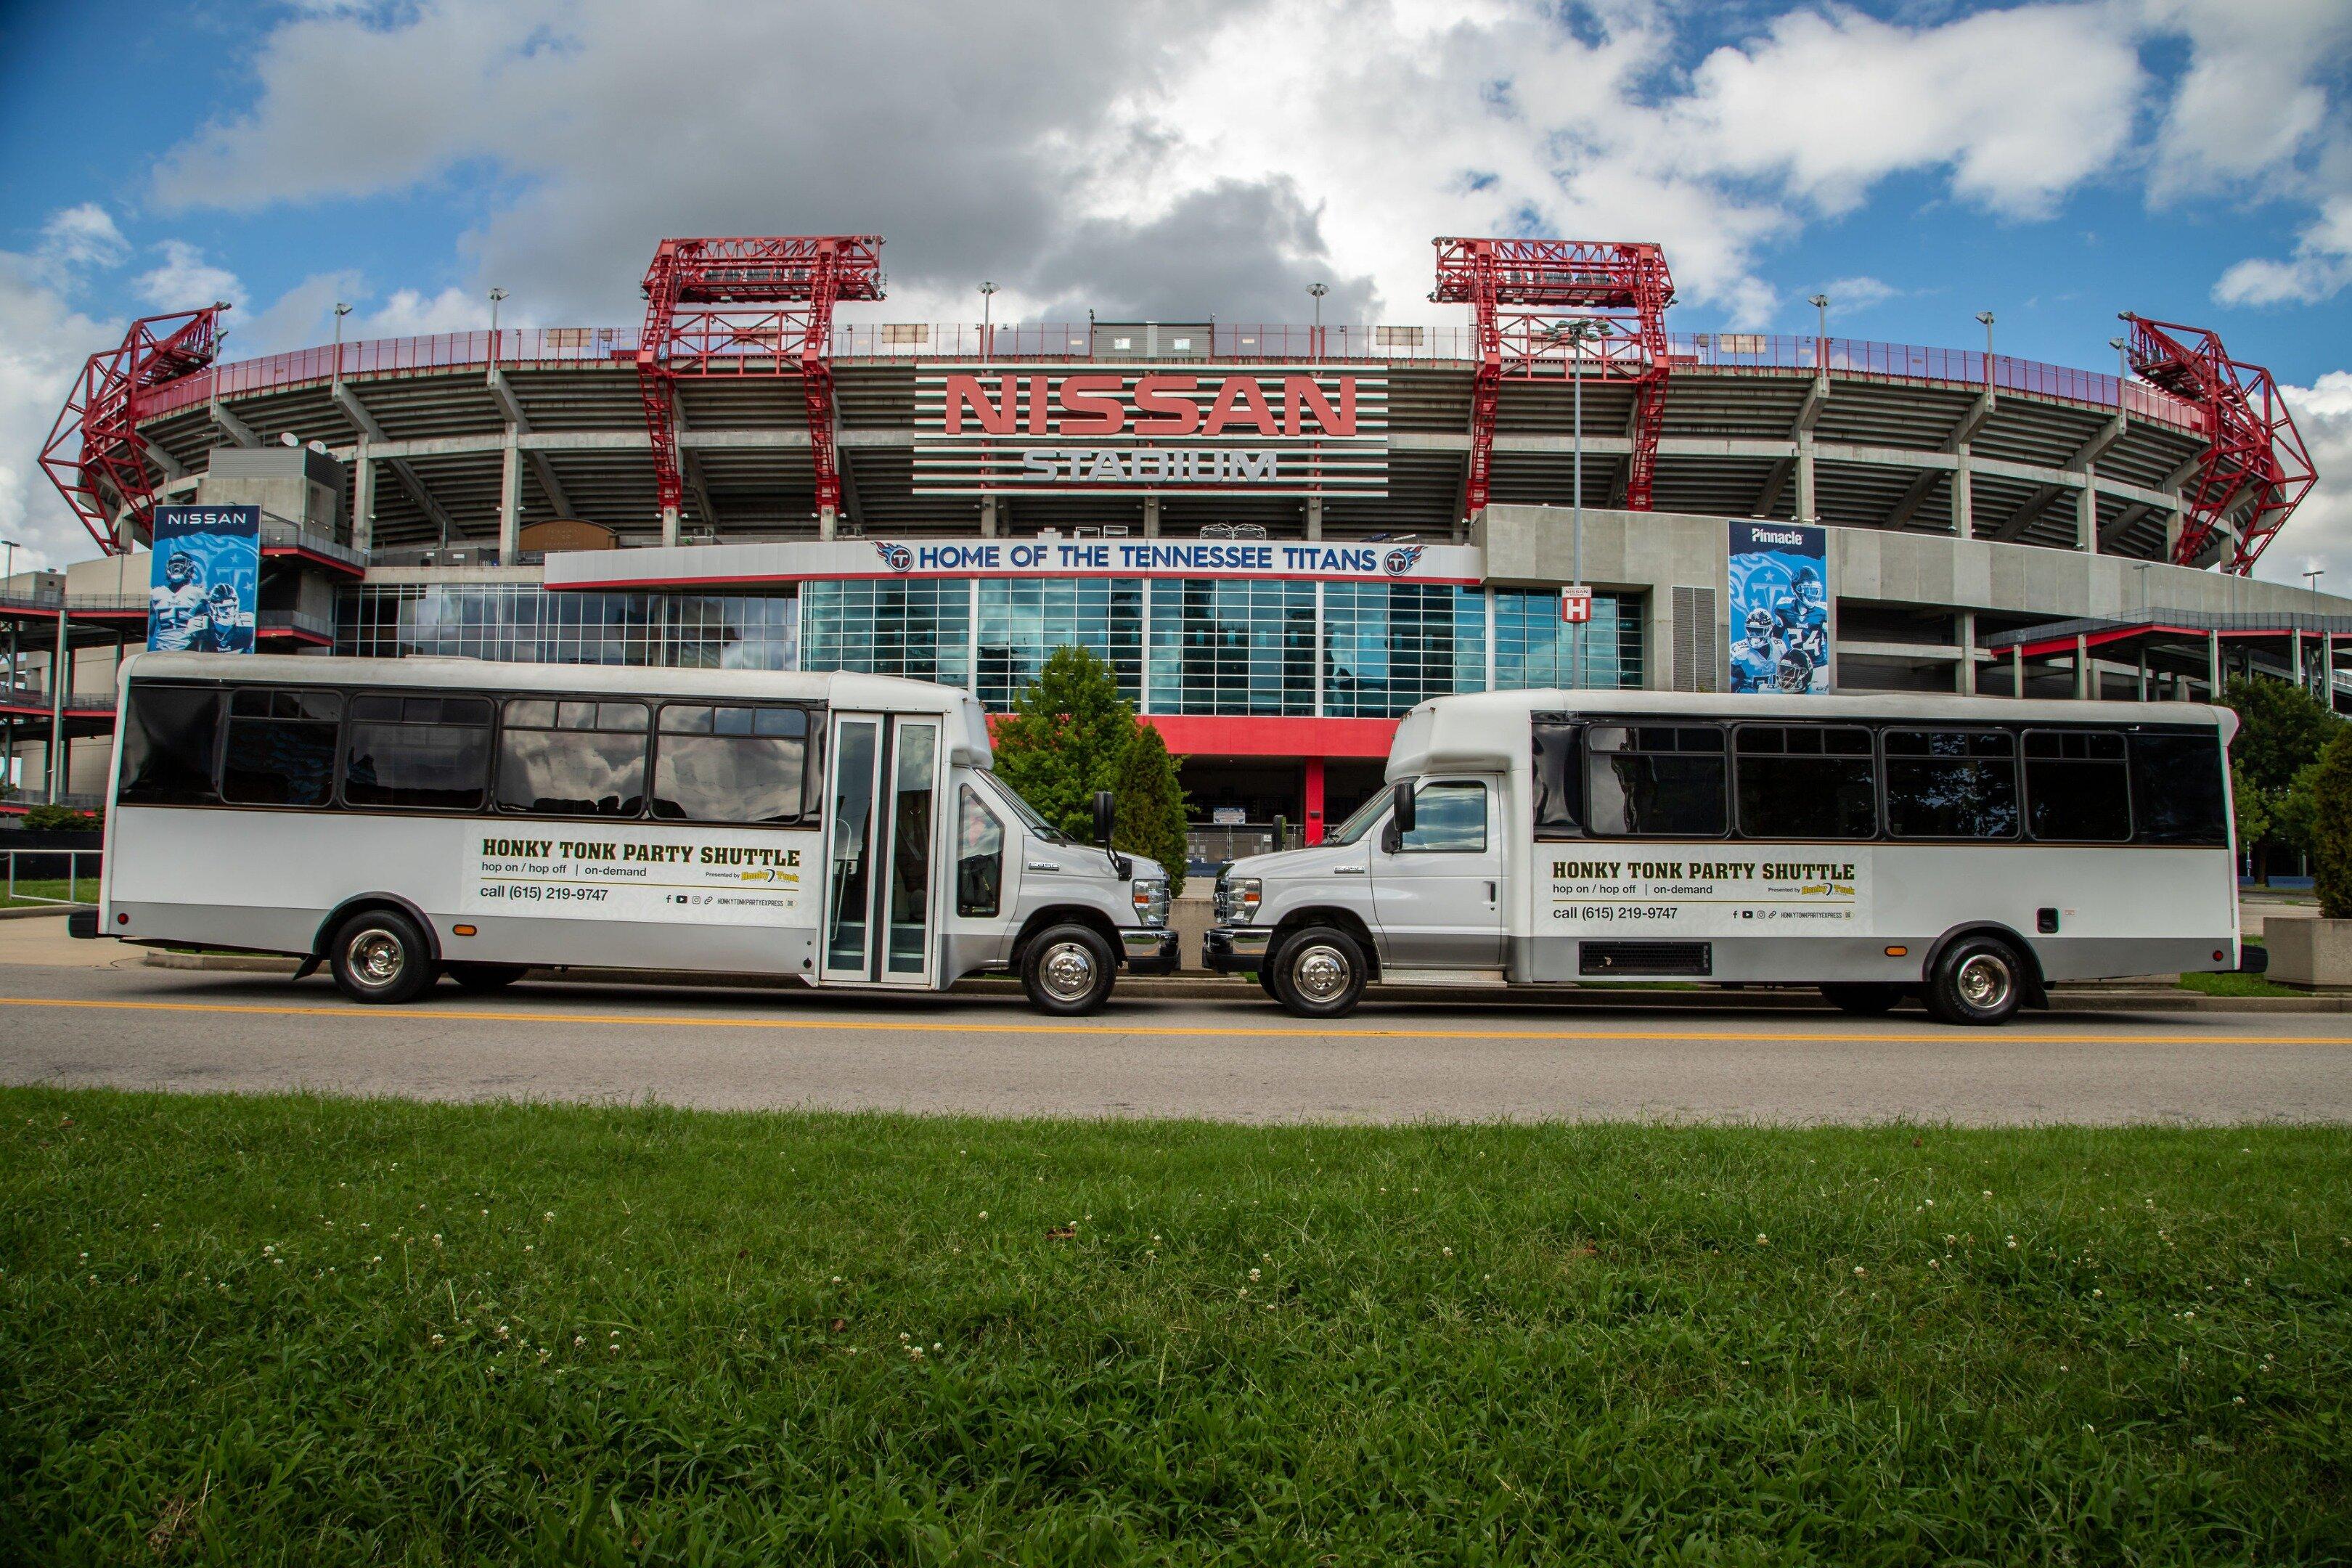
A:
x,y
1234,949
1149,951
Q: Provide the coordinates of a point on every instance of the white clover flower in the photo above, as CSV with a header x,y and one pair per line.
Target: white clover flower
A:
x,y
1762,1240
579,1341
1253,1274
1859,1271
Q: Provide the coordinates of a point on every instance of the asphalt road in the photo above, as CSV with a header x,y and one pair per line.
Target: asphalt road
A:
x,y
1240,1060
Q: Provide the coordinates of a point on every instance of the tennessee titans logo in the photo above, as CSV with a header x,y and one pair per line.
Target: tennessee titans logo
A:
x,y
1399,562
896,557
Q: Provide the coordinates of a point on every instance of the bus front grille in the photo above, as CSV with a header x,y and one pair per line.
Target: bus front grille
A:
x,y
1645,957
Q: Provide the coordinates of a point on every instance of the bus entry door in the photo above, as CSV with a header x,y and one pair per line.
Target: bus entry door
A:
x,y
882,791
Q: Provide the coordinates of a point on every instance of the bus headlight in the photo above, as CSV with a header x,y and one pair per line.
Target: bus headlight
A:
x,y
1151,900
1237,899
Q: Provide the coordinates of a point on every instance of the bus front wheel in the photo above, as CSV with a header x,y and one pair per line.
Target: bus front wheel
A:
x,y
1979,979
381,956
1067,971
1864,999
1320,973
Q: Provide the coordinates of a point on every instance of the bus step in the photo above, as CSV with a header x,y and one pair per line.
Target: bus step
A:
x,y
1395,976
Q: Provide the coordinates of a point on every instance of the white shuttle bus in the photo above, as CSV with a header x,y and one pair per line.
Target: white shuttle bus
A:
x,y
1968,851
400,819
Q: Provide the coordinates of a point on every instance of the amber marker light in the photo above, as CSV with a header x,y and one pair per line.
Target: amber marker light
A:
x,y
1898,951
463,931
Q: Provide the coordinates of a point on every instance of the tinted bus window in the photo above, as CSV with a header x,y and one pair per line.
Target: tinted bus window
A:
x,y
1655,781
1806,781
169,734
730,765
2176,789
1450,817
1951,784
281,747
2077,788
417,753
563,758
1559,782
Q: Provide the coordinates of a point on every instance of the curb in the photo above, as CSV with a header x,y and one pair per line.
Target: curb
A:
x,y
2092,998
36,911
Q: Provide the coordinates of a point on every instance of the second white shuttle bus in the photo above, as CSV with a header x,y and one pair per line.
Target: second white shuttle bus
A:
x,y
400,819
1966,850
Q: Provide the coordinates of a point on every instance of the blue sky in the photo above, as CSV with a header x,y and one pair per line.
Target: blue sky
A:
x,y
2053,162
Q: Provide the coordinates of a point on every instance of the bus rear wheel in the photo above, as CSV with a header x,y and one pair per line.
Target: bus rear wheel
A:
x,y
1320,973
485,976
381,956
1978,981
1067,971
1864,999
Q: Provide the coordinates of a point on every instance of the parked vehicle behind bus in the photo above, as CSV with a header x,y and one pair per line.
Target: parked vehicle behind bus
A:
x,y
400,819
1968,852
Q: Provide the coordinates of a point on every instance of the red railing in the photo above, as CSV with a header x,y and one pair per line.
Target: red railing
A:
x,y
1735,352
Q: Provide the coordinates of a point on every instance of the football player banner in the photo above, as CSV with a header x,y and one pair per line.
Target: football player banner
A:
x,y
1779,605
206,579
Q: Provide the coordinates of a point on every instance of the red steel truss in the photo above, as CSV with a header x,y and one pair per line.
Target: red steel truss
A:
x,y
2255,464
750,307
1526,295
106,471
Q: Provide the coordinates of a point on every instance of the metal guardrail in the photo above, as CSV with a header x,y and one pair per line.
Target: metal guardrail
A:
x,y
277,533
62,797
75,879
2283,622
1277,342
33,694
269,621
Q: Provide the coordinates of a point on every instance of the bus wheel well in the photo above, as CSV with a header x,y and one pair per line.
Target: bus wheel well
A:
x,y
2037,991
1338,920
1066,914
361,905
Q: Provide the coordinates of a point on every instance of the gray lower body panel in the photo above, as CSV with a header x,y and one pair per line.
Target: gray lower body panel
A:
x,y
1812,960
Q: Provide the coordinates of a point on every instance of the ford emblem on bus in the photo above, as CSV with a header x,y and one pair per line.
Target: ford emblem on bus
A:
x,y
896,557
1397,563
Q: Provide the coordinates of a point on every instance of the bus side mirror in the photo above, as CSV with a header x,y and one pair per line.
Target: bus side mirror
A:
x,y
1104,815
1401,813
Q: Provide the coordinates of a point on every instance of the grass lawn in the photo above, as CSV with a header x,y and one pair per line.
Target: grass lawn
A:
x,y
264,1331
31,889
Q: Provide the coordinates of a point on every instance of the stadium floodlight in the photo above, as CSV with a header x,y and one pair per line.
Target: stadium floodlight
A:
x,y
987,321
1318,290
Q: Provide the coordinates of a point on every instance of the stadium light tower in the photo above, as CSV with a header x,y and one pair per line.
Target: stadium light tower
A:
x,y
341,309
1820,304
987,318
496,295
1986,317
1316,340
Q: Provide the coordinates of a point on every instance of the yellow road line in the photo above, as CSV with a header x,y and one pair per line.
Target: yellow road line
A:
x,y
1194,1031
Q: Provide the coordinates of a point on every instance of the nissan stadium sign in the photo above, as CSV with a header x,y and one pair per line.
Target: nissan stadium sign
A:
x,y
1265,430
720,565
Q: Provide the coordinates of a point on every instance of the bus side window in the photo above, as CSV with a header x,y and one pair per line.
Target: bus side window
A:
x,y
417,752
980,856
573,758
714,763
1806,781
169,735
281,746
1558,779
2077,787
1951,784
1655,781
2176,785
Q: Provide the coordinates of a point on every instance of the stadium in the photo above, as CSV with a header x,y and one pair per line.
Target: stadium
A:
x,y
1281,536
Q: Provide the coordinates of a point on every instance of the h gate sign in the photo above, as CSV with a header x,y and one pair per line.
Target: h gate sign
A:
x,y
1576,604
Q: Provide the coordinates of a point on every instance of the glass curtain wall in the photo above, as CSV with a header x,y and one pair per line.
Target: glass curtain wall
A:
x,y
521,621
1388,645
1533,646
1023,620
1231,646
920,628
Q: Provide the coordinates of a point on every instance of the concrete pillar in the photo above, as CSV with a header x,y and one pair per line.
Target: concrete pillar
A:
x,y
1963,500
60,682
510,500
1311,830
669,525
2213,665
2017,669
988,517
828,523
2082,667
1314,523
1964,679
2143,672
2086,512
2294,656
1806,512
1150,517
362,500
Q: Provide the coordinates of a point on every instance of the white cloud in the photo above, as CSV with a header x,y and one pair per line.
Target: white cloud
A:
x,y
2321,265
2320,534
82,236
1857,294
184,280
43,342
2250,101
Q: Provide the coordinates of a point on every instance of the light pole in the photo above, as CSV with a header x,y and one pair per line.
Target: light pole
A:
x,y
1986,317
1820,304
987,319
496,295
1318,290
2123,357
1578,334
8,572
342,310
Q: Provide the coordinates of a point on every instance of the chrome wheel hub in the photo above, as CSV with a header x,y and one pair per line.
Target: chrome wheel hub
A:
x,y
1984,981
1319,973
375,957
1068,971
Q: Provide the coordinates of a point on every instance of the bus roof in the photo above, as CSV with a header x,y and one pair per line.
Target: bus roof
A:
x,y
1486,730
842,690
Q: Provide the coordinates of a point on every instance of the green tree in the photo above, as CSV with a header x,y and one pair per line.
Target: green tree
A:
x,y
2282,729
1068,733
1151,805
2331,849
2251,806
67,819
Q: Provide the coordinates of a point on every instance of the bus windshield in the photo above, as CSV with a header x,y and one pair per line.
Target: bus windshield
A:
x,y
1024,811
1360,820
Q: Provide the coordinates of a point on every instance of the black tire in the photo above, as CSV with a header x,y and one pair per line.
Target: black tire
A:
x,y
484,976
1320,973
1067,971
1266,980
1978,981
382,957
1864,998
